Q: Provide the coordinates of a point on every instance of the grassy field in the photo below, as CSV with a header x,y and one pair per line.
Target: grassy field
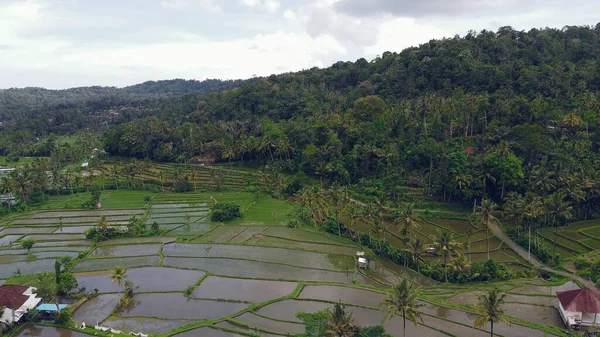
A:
x,y
248,276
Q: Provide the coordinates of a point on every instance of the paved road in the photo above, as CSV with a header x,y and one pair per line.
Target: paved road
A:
x,y
519,250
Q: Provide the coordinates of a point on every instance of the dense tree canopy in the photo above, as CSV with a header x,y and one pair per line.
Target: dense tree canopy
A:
x,y
464,118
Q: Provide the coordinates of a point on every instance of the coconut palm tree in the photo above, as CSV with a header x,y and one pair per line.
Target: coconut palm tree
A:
x,y
445,243
460,264
339,322
469,234
378,228
559,209
490,310
402,301
415,248
406,220
485,216
119,276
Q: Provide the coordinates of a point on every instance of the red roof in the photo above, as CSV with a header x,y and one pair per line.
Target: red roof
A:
x,y
12,296
580,300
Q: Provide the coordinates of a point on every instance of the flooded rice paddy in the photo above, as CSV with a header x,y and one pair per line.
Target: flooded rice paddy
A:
x,y
147,279
177,306
228,268
243,290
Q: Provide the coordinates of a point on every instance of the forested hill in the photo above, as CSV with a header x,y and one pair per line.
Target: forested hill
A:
x,y
488,114
19,103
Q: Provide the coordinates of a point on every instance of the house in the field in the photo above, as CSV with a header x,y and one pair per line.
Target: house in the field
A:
x,y
579,308
17,301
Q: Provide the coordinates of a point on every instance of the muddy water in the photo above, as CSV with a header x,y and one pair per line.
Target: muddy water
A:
x,y
283,328
395,328
259,270
26,267
209,332
97,309
46,331
286,311
467,319
145,325
127,250
147,279
111,263
243,290
177,306
97,213
535,313
26,230
344,294
227,325
7,240
266,254
73,229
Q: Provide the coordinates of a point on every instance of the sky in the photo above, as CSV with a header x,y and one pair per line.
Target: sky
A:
x,y
60,44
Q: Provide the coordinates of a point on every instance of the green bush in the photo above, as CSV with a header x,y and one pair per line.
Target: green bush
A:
x,y
64,317
225,211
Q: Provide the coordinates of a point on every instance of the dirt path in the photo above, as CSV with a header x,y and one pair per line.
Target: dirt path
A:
x,y
519,250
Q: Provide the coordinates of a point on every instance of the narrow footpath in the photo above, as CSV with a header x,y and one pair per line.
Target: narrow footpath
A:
x,y
519,250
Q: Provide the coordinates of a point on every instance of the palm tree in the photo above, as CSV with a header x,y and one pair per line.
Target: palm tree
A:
x,y
114,172
490,310
460,264
378,229
161,178
485,216
119,275
469,234
559,209
406,220
446,244
403,301
339,323
415,248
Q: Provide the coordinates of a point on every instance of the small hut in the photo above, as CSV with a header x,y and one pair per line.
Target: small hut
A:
x,y
362,261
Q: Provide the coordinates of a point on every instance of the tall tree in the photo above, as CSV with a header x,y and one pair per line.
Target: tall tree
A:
x,y
446,244
485,216
339,322
403,301
489,308
559,210
119,276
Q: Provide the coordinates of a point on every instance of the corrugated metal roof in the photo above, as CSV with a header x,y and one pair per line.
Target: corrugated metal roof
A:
x,y
580,300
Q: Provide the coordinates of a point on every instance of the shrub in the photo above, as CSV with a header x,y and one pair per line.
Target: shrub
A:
x,y
64,317
28,244
225,211
182,184
93,201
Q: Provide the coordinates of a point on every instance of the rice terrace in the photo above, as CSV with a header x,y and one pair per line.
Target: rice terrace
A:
x,y
252,276
450,189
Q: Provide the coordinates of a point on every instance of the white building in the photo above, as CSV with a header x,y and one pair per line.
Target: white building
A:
x,y
580,307
16,301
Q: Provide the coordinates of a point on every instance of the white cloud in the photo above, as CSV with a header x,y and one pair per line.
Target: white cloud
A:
x,y
210,6
266,5
398,34
288,14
